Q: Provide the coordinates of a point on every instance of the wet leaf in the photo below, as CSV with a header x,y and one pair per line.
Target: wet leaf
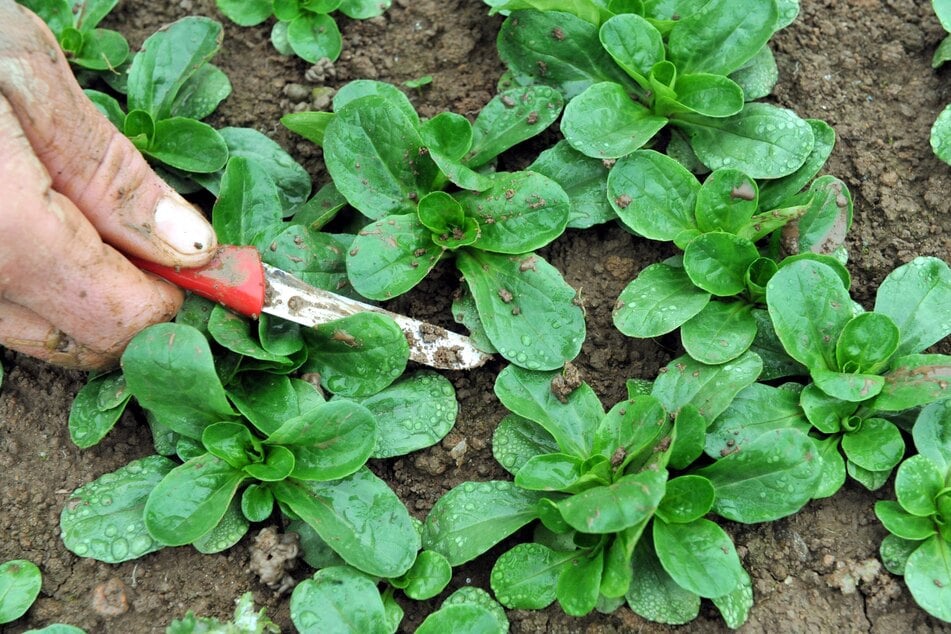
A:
x,y
917,296
901,523
928,577
609,509
583,178
20,583
509,118
579,582
720,332
603,122
654,594
917,485
686,499
313,36
428,577
756,410
709,388
914,380
526,576
699,556
717,262
338,600
876,445
660,299
516,440
722,36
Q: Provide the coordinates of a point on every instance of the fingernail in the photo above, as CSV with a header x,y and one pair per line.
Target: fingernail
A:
x,y
181,227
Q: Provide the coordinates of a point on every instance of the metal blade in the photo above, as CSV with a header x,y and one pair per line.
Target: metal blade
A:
x,y
289,298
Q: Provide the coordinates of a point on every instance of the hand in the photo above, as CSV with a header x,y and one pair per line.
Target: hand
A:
x,y
74,193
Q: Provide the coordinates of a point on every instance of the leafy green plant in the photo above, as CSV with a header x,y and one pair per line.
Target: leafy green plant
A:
x,y
941,130
303,27
621,495
715,291
635,68
246,621
866,367
171,86
20,583
74,23
919,522
417,183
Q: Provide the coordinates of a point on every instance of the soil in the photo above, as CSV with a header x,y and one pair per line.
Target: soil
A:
x,y
863,66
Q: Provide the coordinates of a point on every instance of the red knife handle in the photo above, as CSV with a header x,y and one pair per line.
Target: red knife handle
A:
x,y
234,278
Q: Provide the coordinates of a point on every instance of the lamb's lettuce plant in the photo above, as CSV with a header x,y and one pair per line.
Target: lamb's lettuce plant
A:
x,y
20,583
74,23
631,70
715,291
621,496
866,367
303,27
941,130
171,86
919,522
246,620
418,183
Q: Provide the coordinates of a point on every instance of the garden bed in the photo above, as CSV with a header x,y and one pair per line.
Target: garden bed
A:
x,y
863,67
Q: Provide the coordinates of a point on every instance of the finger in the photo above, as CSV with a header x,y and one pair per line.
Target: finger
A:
x,y
24,331
90,161
53,262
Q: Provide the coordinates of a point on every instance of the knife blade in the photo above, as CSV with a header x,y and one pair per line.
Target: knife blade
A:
x,y
238,279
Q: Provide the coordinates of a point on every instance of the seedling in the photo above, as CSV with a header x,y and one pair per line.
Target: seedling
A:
x,y
417,181
941,130
621,501
303,27
74,23
246,621
919,544
866,367
634,69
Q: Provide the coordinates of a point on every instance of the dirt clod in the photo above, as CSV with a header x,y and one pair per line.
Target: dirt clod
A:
x,y
273,556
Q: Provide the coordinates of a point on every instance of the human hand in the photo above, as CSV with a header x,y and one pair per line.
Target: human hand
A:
x,y
74,192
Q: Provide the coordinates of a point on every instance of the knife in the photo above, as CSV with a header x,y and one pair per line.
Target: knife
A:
x,y
238,279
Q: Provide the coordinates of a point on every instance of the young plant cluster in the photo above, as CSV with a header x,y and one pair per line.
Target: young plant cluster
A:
x,y
941,130
787,386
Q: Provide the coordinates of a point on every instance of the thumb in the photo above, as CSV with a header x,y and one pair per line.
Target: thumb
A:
x,y
89,161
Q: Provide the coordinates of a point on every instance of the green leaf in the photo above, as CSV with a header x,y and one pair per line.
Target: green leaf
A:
x,y
720,332
236,334
634,44
188,145
932,434
914,295
372,150
699,556
722,36
833,468
257,502
914,380
320,209
103,520
202,93
654,195
809,307
773,193
876,445
363,9
686,499
572,422
758,76
901,523
549,472
338,600
166,61
827,413
894,553
108,106
509,118
717,262
428,577
516,440
583,178
871,480
233,443
170,371
313,257
522,211
57,14
658,300
709,388
555,49
248,203
707,94
226,533
609,509
525,577
603,122
309,124
827,219
313,36
771,477
357,355
20,584
848,387
465,618
364,87
413,413
928,577
763,141
726,201
102,50
735,606
526,308
579,583
246,12
191,499
776,361
474,516
756,410
688,437
917,485
633,426
330,441
472,595
654,594
866,343
96,408
359,517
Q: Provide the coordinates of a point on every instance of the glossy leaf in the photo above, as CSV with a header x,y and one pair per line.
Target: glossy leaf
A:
x,y
359,517
756,410
901,523
191,499
827,219
246,12
248,203
722,36
720,332
686,499
894,553
916,295
603,122
473,595
428,577
914,380
516,440
235,333
699,556
654,594
175,141
313,36
525,577
231,442
717,262
658,300
932,434
848,387
709,388
633,426
257,502
313,257
170,371
726,201
866,343
583,178
20,584
474,516
363,9
634,44
509,118
758,76
735,606
928,577
771,477
338,600
773,193
876,445
827,413
578,584
833,468
609,509
226,533
96,408
917,485
549,472
526,308
202,93
464,618
690,429
707,94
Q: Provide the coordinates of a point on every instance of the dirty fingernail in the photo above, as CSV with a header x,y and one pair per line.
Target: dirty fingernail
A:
x,y
182,227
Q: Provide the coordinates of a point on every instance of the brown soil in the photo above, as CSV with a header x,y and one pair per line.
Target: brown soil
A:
x,y
863,66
